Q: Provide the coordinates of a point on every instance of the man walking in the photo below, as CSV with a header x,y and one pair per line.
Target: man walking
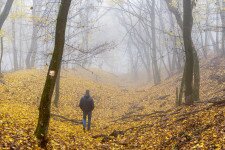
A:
x,y
87,106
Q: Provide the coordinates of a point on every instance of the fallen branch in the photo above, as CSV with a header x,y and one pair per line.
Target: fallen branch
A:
x,y
214,101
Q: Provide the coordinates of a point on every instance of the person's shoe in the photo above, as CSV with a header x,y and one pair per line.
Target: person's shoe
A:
x,y
84,129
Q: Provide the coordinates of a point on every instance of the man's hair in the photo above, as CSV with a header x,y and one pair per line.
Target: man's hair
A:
x,y
87,92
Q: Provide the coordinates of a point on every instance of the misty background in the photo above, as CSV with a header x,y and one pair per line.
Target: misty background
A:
x,y
111,35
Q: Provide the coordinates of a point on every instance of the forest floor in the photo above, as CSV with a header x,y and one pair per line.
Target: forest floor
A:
x,y
124,118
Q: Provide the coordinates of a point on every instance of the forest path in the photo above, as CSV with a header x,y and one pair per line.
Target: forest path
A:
x,y
135,118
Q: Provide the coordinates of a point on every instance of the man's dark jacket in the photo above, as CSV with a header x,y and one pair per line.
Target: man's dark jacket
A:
x,y
86,103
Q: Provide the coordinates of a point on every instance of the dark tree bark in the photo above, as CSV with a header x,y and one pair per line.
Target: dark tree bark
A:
x,y
45,104
57,89
191,51
189,64
178,102
5,12
3,17
196,84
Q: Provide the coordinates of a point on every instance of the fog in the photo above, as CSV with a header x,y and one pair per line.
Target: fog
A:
x,y
116,36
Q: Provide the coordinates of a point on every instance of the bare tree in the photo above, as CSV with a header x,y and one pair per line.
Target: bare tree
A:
x,y
156,73
31,56
190,53
45,104
189,64
3,17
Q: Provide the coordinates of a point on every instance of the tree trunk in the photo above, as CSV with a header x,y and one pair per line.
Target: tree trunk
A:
x,y
190,52
181,92
217,31
170,67
157,78
222,14
5,12
1,55
45,104
3,17
15,55
178,103
223,41
57,89
34,46
21,47
196,69
213,42
31,56
205,50
187,29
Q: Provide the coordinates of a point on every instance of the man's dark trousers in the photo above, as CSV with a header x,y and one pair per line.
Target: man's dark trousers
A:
x,y
85,114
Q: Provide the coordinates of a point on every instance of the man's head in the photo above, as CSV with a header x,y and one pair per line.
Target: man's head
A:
x,y
87,93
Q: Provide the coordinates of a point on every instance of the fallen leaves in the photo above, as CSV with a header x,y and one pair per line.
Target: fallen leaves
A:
x,y
126,118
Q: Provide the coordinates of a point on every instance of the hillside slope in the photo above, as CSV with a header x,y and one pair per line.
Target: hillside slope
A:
x,y
143,118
